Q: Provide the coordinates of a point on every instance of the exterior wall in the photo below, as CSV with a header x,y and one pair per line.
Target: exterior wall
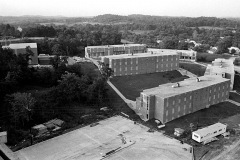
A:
x,y
223,68
98,51
146,106
34,57
142,65
170,108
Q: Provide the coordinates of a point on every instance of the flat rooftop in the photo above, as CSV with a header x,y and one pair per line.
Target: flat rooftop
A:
x,y
210,129
120,45
116,138
22,45
222,65
168,50
190,84
139,55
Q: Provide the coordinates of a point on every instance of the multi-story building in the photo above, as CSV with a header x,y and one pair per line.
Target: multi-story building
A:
x,y
223,68
98,51
141,63
170,101
20,48
188,55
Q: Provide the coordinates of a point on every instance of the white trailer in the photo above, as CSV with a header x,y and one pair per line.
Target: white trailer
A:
x,y
206,133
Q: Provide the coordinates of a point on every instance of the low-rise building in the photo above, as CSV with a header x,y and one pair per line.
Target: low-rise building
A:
x,y
170,101
141,63
98,51
222,67
206,133
45,59
20,48
188,55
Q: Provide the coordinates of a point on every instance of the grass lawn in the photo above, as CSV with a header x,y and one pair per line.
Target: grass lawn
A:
x,y
193,68
131,86
234,97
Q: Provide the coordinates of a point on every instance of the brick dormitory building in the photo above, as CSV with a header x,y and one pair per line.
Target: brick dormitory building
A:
x,y
141,63
98,51
170,101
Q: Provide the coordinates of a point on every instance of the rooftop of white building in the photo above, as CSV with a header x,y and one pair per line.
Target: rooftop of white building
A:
x,y
21,45
188,85
120,45
169,50
222,66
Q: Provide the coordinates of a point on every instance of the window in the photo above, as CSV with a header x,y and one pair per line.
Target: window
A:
x,y
178,108
173,103
147,116
179,101
190,97
173,111
167,113
185,99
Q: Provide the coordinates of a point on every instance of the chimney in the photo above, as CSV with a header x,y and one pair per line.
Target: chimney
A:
x,y
198,79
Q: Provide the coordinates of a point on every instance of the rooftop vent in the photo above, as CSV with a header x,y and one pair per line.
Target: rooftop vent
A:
x,y
198,80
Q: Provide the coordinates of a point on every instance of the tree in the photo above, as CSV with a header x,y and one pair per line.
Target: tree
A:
x,y
98,91
183,46
224,44
21,105
233,51
57,50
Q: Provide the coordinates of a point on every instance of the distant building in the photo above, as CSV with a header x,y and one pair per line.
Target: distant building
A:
x,y
223,68
237,50
141,63
212,50
173,100
188,55
45,59
98,51
20,48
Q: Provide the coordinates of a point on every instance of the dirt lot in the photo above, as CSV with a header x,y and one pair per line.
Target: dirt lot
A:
x,y
131,86
113,138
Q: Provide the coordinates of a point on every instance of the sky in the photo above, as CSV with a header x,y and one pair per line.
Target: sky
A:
x,y
80,8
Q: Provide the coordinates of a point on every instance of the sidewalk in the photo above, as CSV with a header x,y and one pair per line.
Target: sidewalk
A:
x,y
130,103
186,73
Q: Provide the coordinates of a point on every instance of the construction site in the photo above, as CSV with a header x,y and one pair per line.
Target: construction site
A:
x,y
113,138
